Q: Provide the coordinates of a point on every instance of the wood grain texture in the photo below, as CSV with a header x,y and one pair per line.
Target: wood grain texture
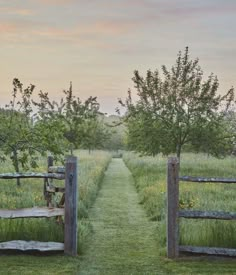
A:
x,y
35,212
172,207
208,250
32,245
71,205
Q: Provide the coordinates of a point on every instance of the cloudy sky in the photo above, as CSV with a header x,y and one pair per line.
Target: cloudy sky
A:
x,y
97,44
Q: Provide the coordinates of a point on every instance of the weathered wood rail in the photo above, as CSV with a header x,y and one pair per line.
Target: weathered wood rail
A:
x,y
203,180
57,169
35,212
217,215
208,250
173,213
67,207
32,245
32,175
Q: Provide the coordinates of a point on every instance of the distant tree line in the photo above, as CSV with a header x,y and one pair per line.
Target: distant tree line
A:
x,y
177,110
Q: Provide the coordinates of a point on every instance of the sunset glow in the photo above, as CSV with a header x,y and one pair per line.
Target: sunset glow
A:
x,y
98,44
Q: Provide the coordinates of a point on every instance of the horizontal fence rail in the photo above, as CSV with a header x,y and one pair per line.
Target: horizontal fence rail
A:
x,y
35,212
173,213
196,214
202,179
32,175
32,245
208,250
56,169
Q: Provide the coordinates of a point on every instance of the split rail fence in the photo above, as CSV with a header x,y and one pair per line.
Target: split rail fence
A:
x,y
173,213
67,207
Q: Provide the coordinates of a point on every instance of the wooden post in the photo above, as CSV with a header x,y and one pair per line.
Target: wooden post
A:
x,y
172,208
50,161
47,182
71,202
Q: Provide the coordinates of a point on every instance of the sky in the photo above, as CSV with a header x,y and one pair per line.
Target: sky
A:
x,y
97,44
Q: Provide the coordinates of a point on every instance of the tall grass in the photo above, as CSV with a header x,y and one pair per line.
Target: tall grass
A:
x,y
150,180
91,170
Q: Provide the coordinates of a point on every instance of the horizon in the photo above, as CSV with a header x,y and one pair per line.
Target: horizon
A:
x,y
98,45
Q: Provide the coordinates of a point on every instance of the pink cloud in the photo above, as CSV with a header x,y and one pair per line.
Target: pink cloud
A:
x,y
6,28
91,30
109,27
75,36
23,12
16,11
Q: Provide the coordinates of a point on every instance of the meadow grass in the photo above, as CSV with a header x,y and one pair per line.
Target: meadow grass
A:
x,y
119,240
150,181
91,170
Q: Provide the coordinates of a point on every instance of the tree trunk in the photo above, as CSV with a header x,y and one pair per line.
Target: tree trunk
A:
x,y
16,165
178,151
71,149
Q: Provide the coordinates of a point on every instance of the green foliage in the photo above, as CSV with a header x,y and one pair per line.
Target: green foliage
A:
x,y
94,134
26,135
75,122
76,114
115,126
216,138
176,109
18,138
49,127
30,128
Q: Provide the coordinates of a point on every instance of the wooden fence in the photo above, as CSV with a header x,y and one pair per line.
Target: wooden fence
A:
x,y
173,213
67,207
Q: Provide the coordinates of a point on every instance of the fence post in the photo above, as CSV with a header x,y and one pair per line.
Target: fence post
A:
x,y
172,208
71,201
47,182
50,161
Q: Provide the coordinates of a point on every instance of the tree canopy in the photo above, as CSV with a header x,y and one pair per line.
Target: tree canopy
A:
x,y
29,128
75,120
176,108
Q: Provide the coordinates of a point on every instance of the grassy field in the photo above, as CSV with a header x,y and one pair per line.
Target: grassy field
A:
x,y
91,170
123,240
150,181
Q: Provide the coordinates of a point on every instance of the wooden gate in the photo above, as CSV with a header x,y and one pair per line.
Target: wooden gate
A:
x,y
67,208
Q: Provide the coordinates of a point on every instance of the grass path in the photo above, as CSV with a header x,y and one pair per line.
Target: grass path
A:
x,y
124,240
